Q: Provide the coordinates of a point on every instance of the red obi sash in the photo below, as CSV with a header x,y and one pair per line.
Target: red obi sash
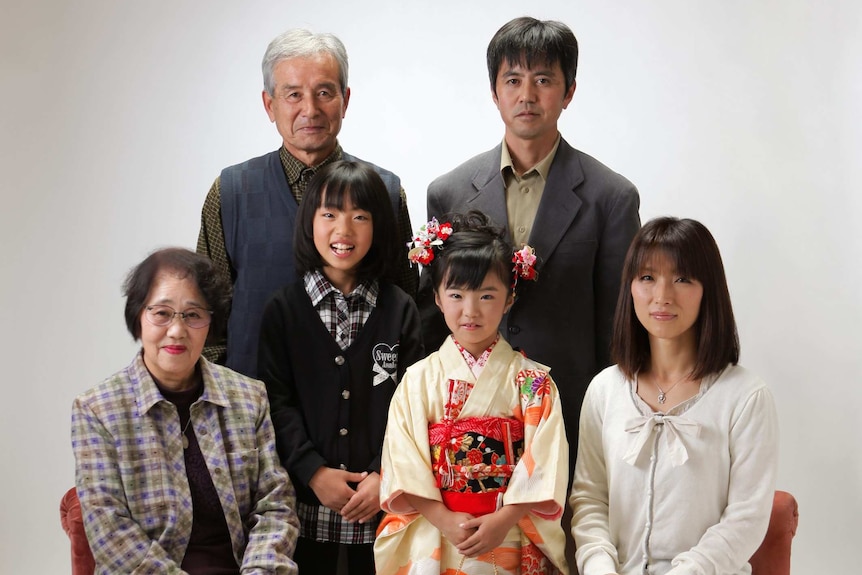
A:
x,y
502,429
476,504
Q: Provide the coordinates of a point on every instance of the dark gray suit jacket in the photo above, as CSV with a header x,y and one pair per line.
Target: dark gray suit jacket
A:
x,y
586,219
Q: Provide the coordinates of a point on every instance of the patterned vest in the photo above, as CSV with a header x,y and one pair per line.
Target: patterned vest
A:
x,y
258,214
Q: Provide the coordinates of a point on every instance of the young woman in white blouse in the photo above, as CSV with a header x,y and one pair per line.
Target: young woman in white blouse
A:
x,y
678,444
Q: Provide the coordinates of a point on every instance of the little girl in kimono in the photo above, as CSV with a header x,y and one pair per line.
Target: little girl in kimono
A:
x,y
475,463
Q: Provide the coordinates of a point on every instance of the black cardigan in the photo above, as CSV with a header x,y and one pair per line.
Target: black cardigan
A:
x,y
324,405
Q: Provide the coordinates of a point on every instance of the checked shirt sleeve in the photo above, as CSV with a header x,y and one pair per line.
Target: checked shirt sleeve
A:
x,y
119,543
273,527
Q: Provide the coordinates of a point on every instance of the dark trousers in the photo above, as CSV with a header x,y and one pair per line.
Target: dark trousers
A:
x,y
324,558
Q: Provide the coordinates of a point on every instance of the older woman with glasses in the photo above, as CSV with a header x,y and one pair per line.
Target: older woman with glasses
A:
x,y
176,467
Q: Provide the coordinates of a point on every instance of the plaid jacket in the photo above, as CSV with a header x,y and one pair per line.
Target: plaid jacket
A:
x,y
131,478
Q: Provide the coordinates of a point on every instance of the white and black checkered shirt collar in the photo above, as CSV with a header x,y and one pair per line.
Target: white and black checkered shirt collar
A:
x,y
318,287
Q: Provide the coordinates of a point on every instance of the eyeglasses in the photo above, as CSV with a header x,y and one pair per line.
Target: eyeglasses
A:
x,y
162,315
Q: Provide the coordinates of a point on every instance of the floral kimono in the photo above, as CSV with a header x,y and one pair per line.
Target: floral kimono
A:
x,y
474,443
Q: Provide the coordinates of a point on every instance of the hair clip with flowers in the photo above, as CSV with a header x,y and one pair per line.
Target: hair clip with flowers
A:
x,y
429,236
525,265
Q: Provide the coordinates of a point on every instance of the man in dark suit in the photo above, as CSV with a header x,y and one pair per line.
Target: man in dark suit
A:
x,y
579,215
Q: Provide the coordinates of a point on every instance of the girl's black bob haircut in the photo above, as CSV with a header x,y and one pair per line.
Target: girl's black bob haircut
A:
x,y
694,253
474,248
332,187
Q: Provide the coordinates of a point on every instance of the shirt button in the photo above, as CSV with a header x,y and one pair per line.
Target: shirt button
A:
x,y
342,431
522,229
525,189
345,394
514,329
339,360
342,467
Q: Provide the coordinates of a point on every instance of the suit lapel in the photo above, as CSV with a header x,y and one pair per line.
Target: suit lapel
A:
x,y
490,195
559,204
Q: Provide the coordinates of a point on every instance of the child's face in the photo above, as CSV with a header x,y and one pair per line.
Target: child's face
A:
x,y
342,238
473,316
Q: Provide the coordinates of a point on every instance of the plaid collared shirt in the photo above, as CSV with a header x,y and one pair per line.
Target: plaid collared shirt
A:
x,y
131,478
343,316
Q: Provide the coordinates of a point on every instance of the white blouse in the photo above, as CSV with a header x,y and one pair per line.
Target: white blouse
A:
x,y
688,491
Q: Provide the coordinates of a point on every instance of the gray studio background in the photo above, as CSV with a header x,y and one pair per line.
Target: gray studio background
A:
x,y
115,117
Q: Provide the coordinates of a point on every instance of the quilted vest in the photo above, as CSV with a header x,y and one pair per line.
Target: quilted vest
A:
x,y
258,213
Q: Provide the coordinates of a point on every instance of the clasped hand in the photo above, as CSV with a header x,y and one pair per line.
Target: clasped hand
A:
x,y
331,486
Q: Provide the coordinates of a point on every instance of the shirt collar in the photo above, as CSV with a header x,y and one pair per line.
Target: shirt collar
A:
x,y
318,288
293,167
542,168
147,393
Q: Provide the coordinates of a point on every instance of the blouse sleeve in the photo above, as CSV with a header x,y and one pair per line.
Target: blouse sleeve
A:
x,y
117,541
728,545
596,554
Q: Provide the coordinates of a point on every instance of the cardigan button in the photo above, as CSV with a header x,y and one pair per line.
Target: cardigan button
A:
x,y
339,360
342,432
514,329
342,467
345,394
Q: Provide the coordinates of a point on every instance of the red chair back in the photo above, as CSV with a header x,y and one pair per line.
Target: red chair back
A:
x,y
773,555
73,523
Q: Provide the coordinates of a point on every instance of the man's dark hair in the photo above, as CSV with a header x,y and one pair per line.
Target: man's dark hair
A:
x,y
527,41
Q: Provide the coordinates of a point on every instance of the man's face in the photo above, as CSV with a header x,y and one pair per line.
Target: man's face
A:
x,y
307,106
531,100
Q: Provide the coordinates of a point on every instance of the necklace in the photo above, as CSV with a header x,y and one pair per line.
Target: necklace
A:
x,y
186,437
662,394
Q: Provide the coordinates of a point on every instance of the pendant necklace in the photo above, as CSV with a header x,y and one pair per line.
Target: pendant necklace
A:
x,y
662,394
186,437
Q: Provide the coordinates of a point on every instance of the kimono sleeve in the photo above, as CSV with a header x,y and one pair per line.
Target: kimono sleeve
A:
x,y
541,475
406,461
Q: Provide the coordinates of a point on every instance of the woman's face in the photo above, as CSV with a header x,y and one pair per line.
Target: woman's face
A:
x,y
666,303
171,351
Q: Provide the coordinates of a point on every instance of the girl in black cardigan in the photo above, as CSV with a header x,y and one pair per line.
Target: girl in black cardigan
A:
x,y
333,346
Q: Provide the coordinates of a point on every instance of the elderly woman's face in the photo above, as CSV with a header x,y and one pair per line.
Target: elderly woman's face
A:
x,y
171,351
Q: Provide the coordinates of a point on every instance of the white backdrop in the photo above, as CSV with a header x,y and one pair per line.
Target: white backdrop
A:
x,y
117,116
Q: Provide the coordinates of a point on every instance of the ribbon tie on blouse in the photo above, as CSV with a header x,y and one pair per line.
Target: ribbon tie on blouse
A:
x,y
673,424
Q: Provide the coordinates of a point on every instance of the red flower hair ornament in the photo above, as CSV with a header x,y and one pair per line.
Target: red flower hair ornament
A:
x,y
430,236
524,267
